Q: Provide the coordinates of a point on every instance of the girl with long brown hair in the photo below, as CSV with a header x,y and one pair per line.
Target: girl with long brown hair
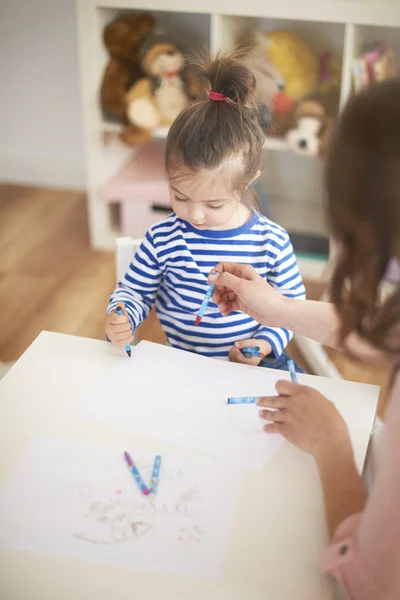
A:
x,y
363,194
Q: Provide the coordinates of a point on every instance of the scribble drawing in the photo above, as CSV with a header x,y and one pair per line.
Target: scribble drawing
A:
x,y
190,535
174,475
184,503
188,496
114,521
139,528
118,520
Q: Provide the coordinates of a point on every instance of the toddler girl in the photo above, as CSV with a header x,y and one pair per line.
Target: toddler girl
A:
x,y
213,155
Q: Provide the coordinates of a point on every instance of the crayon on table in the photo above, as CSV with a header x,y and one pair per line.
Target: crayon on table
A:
x,y
292,370
204,304
252,351
128,350
136,474
243,400
154,477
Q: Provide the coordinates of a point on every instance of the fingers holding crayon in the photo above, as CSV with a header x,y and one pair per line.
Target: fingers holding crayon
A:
x,y
249,352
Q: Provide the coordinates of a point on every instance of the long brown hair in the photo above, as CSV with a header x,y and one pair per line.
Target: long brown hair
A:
x,y
363,186
216,134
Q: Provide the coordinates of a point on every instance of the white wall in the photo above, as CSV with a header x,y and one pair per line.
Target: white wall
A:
x,y
40,116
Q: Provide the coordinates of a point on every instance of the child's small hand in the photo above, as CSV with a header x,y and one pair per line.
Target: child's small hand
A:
x,y
118,327
235,354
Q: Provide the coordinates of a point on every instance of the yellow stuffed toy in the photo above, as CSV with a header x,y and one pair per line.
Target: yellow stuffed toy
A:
x,y
298,65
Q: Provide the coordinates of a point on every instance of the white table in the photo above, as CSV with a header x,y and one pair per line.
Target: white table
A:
x,y
279,526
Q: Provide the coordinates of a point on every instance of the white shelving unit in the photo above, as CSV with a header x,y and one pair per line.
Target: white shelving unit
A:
x,y
339,25
293,184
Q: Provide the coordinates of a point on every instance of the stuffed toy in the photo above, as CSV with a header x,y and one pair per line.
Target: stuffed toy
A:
x,y
269,88
376,63
157,99
298,67
330,72
123,38
294,60
313,124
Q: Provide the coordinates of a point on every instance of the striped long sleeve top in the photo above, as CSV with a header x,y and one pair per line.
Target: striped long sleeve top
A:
x,y
171,269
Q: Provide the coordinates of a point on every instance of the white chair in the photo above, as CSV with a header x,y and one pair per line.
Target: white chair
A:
x,y
126,248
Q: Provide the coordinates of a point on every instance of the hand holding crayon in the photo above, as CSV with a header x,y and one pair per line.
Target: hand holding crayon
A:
x,y
249,352
118,328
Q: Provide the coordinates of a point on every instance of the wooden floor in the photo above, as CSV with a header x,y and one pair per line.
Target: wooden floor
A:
x,y
51,279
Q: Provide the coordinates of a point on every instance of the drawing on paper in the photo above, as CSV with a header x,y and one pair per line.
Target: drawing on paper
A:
x,y
121,518
93,508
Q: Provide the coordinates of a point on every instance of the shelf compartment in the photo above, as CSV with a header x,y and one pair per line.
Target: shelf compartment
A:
x,y
140,190
190,30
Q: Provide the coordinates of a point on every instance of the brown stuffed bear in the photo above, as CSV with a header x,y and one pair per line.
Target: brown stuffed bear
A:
x,y
157,99
313,124
123,38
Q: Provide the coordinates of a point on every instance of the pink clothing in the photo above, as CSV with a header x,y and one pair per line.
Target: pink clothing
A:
x,y
365,552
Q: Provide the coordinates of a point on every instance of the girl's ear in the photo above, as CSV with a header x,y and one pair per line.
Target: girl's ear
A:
x,y
256,176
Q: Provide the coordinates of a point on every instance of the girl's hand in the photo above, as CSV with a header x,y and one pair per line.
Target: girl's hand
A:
x,y
239,287
235,354
304,417
118,327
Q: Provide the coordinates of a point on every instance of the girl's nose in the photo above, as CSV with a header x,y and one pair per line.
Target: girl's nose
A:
x,y
196,212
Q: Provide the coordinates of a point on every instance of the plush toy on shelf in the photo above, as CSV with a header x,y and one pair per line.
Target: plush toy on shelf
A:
x,y
313,123
295,61
298,67
123,38
376,63
156,100
269,87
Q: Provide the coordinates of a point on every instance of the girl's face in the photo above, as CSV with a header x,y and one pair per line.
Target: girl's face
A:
x,y
204,200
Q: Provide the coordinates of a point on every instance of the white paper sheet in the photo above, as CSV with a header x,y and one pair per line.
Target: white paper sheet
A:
x,y
77,498
182,398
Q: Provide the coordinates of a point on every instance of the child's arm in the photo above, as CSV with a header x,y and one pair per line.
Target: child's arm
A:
x,y
138,289
284,277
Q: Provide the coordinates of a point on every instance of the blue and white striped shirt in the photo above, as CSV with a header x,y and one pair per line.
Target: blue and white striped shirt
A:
x,y
171,268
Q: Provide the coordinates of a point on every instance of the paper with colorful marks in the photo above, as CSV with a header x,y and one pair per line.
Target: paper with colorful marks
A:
x,y
77,498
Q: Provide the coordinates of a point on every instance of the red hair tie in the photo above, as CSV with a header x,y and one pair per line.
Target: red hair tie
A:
x,y
217,96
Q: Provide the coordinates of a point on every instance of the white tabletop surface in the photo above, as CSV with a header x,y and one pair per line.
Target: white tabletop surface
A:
x,y
279,525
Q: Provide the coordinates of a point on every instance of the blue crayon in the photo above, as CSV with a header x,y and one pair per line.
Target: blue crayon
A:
x,y
204,304
252,351
244,400
128,350
292,370
135,472
154,477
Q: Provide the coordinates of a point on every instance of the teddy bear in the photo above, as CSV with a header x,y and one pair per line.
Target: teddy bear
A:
x,y
123,38
294,59
298,67
313,124
156,99
304,75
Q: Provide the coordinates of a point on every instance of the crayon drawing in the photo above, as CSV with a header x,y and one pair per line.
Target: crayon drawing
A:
x,y
88,505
